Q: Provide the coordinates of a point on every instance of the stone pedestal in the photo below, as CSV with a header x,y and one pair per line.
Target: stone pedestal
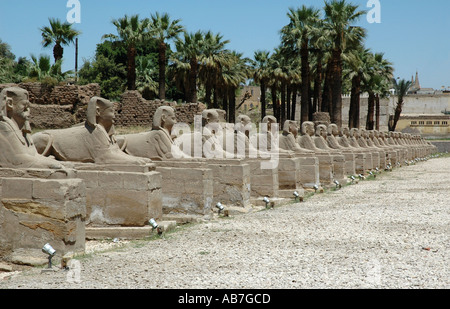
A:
x,y
326,169
121,195
186,191
35,211
230,180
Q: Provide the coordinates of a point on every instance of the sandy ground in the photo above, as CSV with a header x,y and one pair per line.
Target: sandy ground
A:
x,y
390,232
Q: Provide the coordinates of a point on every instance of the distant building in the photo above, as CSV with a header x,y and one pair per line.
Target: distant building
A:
x,y
426,111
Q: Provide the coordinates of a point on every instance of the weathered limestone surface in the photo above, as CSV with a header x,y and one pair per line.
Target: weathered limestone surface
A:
x,y
326,164
34,211
186,191
121,195
339,163
231,179
350,156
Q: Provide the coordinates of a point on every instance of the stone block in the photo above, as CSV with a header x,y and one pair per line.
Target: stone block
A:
x,y
122,198
57,218
17,188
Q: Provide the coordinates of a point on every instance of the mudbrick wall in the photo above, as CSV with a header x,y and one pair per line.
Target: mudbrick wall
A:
x,y
57,107
134,110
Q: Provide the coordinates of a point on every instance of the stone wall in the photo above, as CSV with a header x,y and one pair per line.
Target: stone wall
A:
x,y
59,107
134,110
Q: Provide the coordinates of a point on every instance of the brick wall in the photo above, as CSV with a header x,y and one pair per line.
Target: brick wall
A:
x,y
63,106
134,110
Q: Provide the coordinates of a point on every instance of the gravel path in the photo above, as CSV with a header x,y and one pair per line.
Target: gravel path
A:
x,y
391,232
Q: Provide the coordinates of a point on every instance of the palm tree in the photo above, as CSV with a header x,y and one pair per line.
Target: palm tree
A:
x,y
302,22
189,52
380,73
162,29
320,44
131,31
339,19
41,68
59,34
260,69
401,90
213,58
145,69
233,75
357,66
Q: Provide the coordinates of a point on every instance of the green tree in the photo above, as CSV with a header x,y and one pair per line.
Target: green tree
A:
x,y
401,90
189,52
109,75
233,75
214,57
42,70
131,31
380,73
339,20
261,75
59,34
301,28
162,29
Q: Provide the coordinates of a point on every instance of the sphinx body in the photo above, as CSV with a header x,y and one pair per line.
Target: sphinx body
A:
x,y
326,164
350,156
338,158
17,147
89,142
156,144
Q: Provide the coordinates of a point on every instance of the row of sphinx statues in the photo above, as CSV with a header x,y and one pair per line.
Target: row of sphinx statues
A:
x,y
95,140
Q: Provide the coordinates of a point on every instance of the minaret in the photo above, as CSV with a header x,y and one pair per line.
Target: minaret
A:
x,y
417,83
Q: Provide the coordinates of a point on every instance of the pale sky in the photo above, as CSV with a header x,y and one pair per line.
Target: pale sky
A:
x,y
413,34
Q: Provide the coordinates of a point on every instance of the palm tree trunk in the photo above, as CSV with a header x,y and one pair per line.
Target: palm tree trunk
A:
x,y
283,104
304,55
336,88
377,112
398,112
317,101
288,101
225,104
192,98
232,104
263,99
294,101
370,111
353,117
208,91
326,94
276,109
58,52
162,70
131,67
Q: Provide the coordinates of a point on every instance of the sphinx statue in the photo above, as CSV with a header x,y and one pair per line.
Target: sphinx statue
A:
x,y
206,141
367,141
17,147
288,139
402,151
374,136
156,144
363,159
358,141
350,156
326,164
90,142
339,161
